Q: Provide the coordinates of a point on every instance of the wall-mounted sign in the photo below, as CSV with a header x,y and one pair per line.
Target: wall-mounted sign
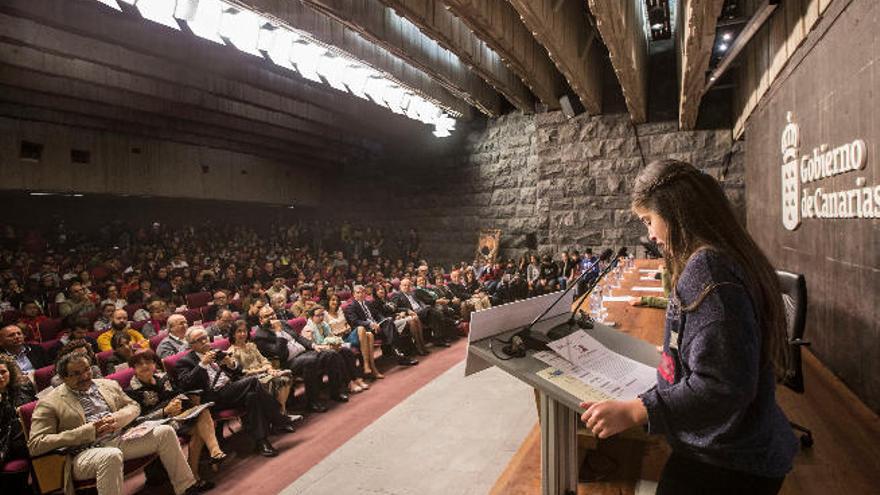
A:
x,y
799,172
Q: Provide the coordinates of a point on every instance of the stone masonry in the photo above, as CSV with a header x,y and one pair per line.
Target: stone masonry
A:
x,y
567,181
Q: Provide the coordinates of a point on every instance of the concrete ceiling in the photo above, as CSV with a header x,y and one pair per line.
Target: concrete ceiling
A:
x,y
80,62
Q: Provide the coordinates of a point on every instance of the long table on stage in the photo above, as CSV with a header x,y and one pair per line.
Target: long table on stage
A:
x,y
559,411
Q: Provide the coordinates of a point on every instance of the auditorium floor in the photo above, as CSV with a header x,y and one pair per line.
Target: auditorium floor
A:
x,y
453,436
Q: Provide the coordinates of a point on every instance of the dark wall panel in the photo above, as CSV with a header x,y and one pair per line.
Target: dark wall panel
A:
x,y
833,96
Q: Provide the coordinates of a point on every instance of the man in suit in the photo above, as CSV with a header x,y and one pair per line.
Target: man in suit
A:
x,y
88,416
276,340
29,357
362,313
221,381
422,304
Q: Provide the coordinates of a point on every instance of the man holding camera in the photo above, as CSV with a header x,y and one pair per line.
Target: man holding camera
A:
x,y
221,381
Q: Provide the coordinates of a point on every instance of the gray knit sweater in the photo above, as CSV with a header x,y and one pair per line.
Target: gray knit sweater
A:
x,y
713,400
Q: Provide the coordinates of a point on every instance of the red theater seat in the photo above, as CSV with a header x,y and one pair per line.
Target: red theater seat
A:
x,y
198,299
297,324
43,377
49,328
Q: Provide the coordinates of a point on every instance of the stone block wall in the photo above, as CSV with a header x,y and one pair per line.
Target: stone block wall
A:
x,y
566,181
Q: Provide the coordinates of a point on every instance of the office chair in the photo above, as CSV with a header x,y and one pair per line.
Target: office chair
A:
x,y
794,296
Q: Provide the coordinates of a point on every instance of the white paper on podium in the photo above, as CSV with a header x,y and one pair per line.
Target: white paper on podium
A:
x,y
648,289
506,317
610,373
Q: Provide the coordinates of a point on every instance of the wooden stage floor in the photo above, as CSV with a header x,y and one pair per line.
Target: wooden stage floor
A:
x,y
845,458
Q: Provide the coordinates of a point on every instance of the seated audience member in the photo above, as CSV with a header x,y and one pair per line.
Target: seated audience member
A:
x,y
76,303
31,319
113,297
121,345
279,288
407,322
471,301
548,279
12,295
362,313
142,295
158,311
277,382
15,391
29,357
79,331
276,340
178,291
103,321
220,302
255,295
323,340
175,341
304,303
221,381
278,302
360,337
408,299
119,324
89,416
81,347
446,298
221,327
158,399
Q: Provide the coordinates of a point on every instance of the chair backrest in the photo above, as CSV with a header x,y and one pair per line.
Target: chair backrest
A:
x,y
198,299
192,315
220,344
137,325
794,297
43,377
170,362
123,377
26,414
103,356
49,328
131,309
297,324
156,339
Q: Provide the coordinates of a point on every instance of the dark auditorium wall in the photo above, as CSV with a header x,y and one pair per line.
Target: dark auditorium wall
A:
x,y
132,165
831,87
565,180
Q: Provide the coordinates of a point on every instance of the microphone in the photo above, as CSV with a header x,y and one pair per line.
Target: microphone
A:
x,y
524,339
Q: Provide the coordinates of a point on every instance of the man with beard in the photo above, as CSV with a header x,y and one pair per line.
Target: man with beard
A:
x,y
119,324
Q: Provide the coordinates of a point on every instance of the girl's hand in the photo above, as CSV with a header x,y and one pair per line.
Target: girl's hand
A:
x,y
611,417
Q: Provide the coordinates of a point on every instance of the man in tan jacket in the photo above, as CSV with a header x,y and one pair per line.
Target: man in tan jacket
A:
x,y
88,416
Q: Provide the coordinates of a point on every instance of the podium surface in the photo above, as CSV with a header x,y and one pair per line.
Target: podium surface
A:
x,y
559,409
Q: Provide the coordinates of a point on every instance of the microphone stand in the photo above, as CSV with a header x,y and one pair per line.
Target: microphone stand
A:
x,y
524,339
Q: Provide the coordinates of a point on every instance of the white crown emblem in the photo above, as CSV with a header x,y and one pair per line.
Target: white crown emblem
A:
x,y
790,139
791,186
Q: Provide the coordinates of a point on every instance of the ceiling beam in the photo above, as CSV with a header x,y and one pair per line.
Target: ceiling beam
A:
x,y
561,26
499,25
622,26
351,24
698,20
433,19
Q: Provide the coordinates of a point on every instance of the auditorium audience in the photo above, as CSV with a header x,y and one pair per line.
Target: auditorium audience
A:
x,y
219,377
119,324
15,390
28,357
253,363
158,399
175,341
102,410
352,284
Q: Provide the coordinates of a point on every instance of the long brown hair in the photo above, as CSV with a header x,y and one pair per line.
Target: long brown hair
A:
x,y
699,216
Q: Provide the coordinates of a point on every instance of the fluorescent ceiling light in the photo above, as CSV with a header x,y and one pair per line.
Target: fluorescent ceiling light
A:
x,y
333,69
110,3
202,17
357,77
159,11
241,29
306,57
41,194
277,44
